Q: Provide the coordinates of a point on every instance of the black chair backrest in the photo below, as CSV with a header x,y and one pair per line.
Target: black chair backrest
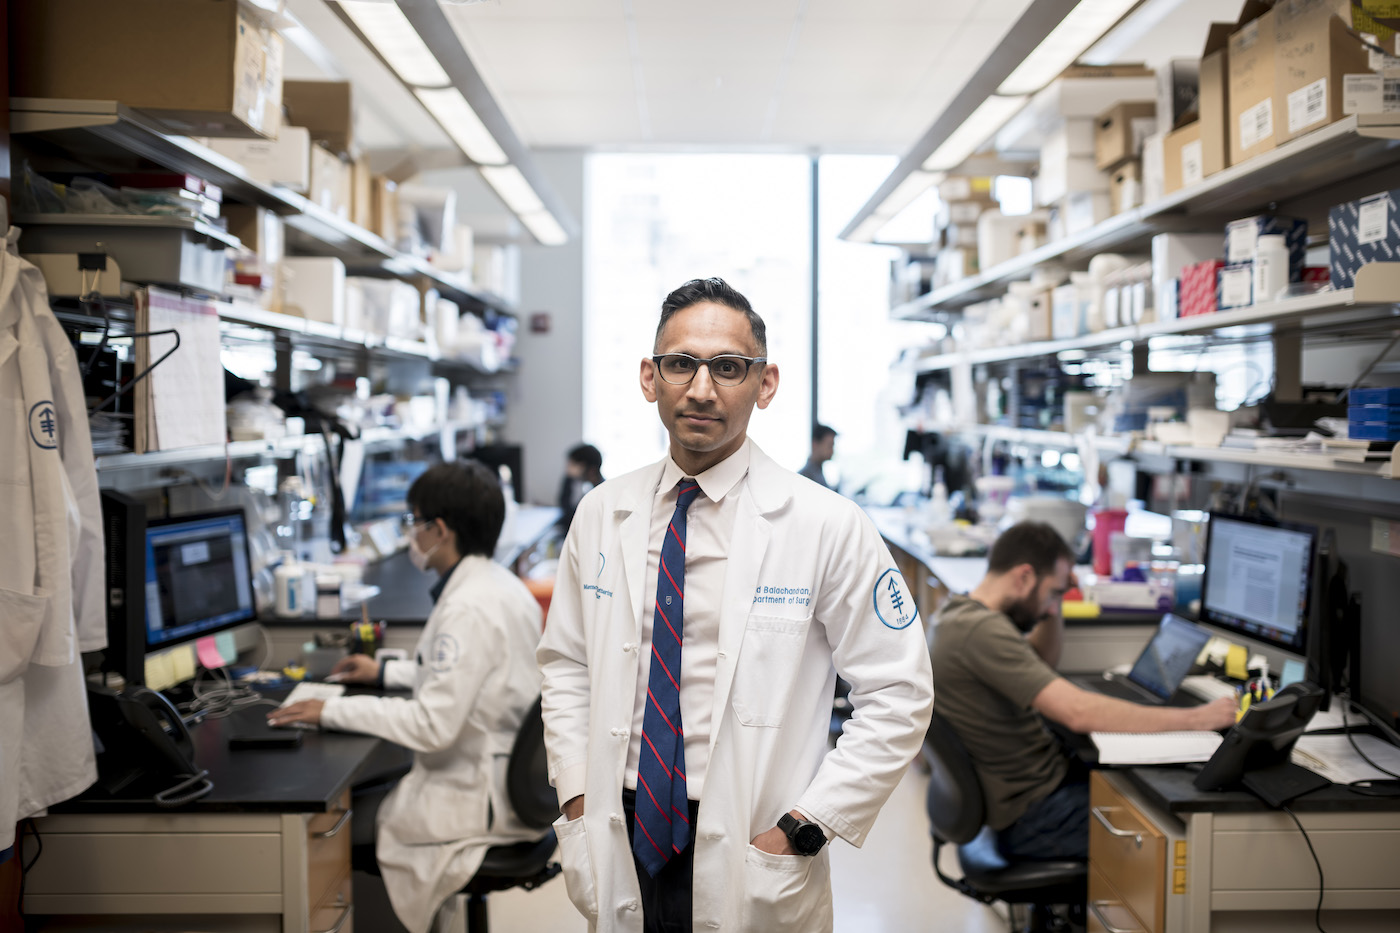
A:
x,y
527,775
955,804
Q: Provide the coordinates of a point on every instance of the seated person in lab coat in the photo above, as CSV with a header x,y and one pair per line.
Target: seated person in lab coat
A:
x,y
473,677
994,654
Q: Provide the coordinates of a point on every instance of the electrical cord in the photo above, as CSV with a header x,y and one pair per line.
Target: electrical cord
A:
x,y
25,869
1363,786
223,698
1321,883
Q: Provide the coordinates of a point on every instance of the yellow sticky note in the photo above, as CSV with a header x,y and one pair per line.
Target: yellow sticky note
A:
x,y
1235,663
182,662
159,671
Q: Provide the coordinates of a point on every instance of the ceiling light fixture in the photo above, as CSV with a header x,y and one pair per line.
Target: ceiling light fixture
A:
x,y
979,127
513,188
385,26
544,227
1084,26
450,108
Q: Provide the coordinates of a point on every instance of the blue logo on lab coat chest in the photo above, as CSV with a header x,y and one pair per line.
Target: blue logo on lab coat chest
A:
x,y
893,605
43,425
598,592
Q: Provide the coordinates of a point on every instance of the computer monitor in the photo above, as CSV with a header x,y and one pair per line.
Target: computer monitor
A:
x,y
1258,579
199,578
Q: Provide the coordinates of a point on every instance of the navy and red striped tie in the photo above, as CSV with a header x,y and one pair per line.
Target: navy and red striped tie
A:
x,y
663,811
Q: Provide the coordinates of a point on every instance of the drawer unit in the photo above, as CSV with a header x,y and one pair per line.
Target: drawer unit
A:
x,y
327,849
1129,852
1107,913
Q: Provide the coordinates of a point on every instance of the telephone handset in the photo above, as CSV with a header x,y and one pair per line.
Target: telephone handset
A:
x,y
141,735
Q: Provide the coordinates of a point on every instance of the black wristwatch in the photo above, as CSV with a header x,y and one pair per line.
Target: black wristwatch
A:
x,y
806,837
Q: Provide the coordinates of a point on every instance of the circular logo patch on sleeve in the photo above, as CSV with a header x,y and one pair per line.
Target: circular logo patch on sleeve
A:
x,y
444,654
893,604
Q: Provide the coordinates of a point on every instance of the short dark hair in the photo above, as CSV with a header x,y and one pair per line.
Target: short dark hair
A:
x,y
588,456
1034,543
467,496
716,291
821,432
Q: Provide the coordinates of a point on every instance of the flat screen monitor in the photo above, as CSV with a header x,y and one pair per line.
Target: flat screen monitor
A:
x,y
199,578
1258,579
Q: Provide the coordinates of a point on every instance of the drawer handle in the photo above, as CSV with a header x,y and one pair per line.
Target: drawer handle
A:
x,y
345,915
1114,830
339,825
1094,906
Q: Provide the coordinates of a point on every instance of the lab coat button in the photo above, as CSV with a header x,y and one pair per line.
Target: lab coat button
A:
x,y
721,654
628,646
714,835
712,924
629,905
615,817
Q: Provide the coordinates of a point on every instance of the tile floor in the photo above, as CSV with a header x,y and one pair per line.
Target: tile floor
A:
x,y
886,887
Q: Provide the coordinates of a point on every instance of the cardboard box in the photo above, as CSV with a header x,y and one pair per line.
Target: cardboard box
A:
x,y
1119,133
284,161
998,238
966,188
259,230
314,288
1178,91
1182,158
1057,180
1254,116
1314,52
361,193
1236,287
330,181
1215,100
1085,209
1361,232
1154,179
200,69
1242,236
962,212
1199,292
1125,186
1370,93
326,108
951,266
1073,137
385,218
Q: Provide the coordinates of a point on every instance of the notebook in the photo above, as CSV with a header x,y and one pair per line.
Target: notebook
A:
x,y
1155,748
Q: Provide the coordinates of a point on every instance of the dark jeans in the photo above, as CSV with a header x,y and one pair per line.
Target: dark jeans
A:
x,y
666,899
1055,828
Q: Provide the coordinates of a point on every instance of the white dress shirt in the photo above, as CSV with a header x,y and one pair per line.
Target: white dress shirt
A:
x,y
708,528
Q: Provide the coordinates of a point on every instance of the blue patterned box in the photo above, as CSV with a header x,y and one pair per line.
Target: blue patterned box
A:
x,y
1235,286
1241,237
1374,414
1373,432
1385,396
1363,231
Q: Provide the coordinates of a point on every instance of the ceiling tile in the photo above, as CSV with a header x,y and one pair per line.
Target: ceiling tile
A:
x,y
718,11
704,39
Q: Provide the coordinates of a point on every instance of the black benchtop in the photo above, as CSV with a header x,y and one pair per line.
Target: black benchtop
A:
x,y
1170,789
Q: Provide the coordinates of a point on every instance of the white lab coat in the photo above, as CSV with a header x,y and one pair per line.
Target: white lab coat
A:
x,y
806,573
473,678
51,566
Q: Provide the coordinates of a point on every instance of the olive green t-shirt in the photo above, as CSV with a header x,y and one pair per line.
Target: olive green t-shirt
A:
x,y
987,674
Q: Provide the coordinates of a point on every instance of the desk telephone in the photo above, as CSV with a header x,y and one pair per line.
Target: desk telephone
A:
x,y
143,742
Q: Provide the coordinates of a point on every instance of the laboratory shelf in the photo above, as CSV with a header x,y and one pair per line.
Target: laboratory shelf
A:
x,y
134,221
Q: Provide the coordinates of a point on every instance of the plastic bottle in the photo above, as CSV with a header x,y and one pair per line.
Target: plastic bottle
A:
x,y
939,513
508,489
1270,267
288,586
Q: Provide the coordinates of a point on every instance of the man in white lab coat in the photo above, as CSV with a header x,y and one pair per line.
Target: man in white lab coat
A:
x,y
697,787
473,678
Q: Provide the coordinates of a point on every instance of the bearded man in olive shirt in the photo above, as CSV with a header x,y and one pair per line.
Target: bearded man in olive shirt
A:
x,y
994,653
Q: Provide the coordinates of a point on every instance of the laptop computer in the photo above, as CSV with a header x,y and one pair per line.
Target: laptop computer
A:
x,y
1157,674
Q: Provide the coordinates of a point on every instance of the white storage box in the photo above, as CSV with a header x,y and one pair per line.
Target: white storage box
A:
x,y
998,238
284,161
1057,179
155,249
314,288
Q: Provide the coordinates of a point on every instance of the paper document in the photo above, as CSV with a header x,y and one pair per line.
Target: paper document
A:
x,y
1154,748
313,691
1332,757
181,402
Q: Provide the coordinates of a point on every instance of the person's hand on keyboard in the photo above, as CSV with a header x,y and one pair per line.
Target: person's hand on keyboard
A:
x,y
304,713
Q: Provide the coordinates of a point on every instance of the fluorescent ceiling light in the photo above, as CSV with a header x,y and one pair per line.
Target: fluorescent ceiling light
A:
x,y
1084,25
513,188
1112,47
904,194
975,130
865,231
544,227
385,26
450,108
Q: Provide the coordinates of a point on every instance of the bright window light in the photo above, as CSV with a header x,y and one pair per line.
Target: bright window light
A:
x,y
384,25
450,108
1089,20
975,130
545,228
513,188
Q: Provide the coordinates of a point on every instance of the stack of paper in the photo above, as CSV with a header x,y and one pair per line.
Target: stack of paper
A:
x,y
181,402
1155,748
1333,757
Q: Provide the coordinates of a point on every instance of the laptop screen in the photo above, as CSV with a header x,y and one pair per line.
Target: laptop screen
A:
x,y
1168,657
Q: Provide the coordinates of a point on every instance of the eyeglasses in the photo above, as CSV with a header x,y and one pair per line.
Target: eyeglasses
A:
x,y
679,368
413,521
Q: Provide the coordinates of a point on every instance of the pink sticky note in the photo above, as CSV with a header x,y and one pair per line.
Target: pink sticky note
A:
x,y
209,656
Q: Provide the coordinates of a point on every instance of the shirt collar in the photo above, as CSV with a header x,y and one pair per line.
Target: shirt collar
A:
x,y
716,482
441,585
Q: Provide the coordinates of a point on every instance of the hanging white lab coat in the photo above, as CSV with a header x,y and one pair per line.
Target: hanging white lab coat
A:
x,y
51,564
473,677
810,589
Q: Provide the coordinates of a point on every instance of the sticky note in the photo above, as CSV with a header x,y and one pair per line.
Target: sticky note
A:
x,y
208,650
1292,673
227,649
1235,659
159,672
182,663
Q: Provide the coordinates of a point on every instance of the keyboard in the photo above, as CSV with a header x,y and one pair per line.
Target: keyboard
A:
x,y
1206,687
313,691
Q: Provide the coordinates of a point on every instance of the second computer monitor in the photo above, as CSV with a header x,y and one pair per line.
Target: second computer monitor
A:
x,y
198,577
1258,579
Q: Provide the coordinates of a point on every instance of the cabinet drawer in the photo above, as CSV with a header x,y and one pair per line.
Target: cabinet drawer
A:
x,y
1130,852
335,911
327,849
1107,913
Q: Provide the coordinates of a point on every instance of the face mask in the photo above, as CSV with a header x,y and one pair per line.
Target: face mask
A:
x,y
417,555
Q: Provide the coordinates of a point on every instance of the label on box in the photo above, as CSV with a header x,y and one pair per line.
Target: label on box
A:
x,y
1372,220
1380,62
1257,124
1246,37
1236,287
1240,239
1370,94
1307,105
1192,164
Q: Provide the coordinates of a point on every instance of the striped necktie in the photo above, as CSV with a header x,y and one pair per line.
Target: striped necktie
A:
x,y
663,812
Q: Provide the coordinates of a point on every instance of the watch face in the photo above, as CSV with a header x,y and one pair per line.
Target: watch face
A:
x,y
809,839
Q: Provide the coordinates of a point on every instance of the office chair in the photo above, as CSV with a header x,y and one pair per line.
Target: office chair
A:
x,y
957,812
524,864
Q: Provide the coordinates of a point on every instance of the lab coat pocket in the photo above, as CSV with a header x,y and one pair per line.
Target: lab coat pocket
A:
x,y
786,892
578,865
768,661
23,616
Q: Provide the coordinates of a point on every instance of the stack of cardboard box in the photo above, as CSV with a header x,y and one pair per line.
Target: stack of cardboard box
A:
x,y
1119,134
964,199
